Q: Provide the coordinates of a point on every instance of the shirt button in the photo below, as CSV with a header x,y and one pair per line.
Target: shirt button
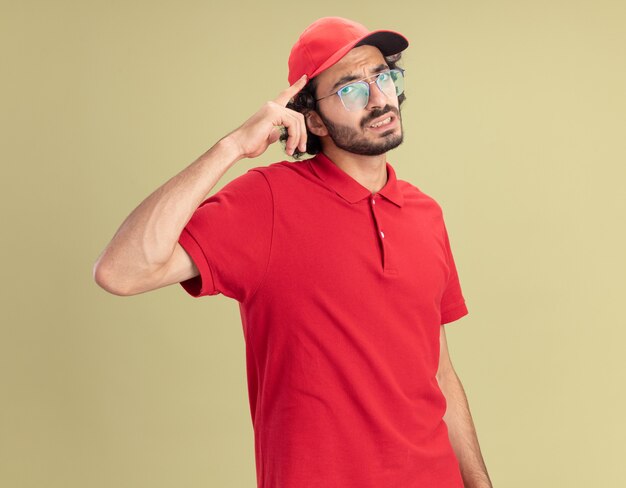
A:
x,y
373,202
382,234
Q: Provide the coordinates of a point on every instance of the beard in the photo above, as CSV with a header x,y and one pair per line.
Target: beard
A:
x,y
352,140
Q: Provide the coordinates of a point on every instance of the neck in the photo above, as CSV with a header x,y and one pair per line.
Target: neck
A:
x,y
369,171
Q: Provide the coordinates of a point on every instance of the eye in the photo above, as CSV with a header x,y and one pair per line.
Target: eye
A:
x,y
346,90
384,76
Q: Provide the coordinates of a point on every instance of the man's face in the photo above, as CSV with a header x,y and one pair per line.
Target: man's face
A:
x,y
353,131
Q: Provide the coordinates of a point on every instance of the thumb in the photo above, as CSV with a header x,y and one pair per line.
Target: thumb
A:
x,y
274,135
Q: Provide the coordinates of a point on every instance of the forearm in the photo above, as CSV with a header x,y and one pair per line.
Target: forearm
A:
x,y
146,240
147,237
462,433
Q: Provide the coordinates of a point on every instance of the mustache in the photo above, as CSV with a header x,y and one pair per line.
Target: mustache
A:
x,y
379,113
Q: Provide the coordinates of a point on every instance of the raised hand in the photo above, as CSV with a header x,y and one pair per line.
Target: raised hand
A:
x,y
255,135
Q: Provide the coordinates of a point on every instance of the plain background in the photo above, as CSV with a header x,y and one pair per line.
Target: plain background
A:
x,y
514,122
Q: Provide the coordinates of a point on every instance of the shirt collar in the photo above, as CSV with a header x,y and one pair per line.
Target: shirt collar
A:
x,y
348,188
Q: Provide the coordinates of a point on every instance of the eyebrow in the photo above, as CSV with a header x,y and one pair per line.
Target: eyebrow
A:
x,y
352,76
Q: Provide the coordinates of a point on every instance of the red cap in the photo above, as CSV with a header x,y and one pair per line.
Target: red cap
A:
x,y
329,39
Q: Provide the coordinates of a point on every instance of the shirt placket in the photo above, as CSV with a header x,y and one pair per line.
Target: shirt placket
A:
x,y
383,239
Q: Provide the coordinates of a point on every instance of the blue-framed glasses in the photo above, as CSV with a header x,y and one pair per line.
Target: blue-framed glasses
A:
x,y
356,95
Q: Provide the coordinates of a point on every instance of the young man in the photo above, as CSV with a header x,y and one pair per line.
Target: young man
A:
x,y
344,277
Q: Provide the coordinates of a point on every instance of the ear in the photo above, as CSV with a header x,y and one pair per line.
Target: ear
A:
x,y
315,124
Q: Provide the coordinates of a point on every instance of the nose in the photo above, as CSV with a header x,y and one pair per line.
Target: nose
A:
x,y
377,98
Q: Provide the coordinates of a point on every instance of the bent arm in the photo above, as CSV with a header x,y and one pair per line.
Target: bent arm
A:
x,y
460,425
144,253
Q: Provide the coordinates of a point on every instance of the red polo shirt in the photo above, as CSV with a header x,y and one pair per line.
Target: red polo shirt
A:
x,y
342,293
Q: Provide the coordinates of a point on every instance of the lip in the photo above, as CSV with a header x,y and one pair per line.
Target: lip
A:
x,y
391,124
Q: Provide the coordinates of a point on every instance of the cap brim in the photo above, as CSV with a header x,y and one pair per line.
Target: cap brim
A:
x,y
388,42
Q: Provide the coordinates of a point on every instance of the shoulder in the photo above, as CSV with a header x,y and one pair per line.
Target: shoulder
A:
x,y
249,187
282,168
262,180
287,176
414,196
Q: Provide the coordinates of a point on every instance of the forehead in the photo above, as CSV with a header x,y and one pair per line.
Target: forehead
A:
x,y
360,61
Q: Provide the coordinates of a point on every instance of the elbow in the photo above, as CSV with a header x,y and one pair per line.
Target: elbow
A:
x,y
445,375
106,279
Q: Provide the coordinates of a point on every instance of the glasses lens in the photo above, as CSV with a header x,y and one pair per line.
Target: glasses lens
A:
x,y
386,84
398,80
355,95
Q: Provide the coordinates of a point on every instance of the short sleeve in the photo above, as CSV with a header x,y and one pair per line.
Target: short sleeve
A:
x,y
229,238
453,305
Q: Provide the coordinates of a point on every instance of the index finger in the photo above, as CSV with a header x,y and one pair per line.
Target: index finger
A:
x,y
287,94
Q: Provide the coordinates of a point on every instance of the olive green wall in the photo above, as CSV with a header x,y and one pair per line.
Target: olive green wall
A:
x,y
515,122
